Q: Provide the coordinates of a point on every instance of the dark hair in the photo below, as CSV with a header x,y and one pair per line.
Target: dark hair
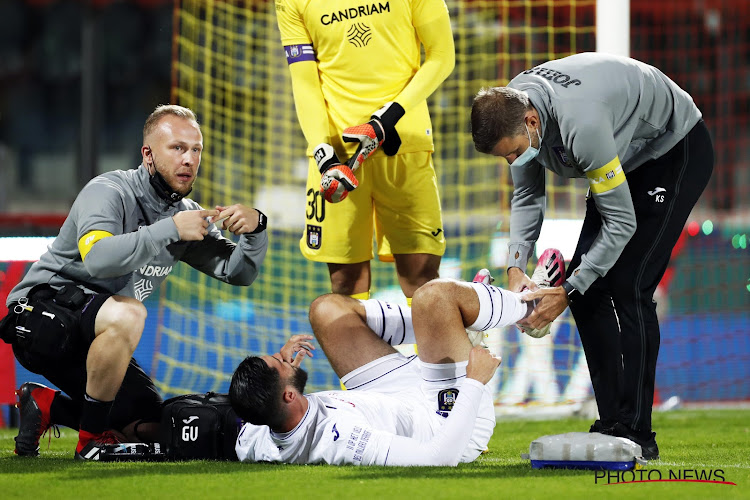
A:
x,y
163,110
255,392
497,112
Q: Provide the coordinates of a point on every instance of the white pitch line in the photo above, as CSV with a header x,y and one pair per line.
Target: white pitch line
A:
x,y
704,466
655,464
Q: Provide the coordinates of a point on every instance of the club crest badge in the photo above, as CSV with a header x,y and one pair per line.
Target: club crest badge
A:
x,y
314,236
296,53
561,154
446,399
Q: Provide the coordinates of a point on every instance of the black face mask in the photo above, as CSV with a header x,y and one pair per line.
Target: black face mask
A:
x,y
160,185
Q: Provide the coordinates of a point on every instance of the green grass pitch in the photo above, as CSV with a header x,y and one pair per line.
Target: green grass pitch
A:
x,y
690,440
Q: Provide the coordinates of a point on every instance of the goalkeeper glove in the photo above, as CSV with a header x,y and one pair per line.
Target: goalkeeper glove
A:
x,y
336,179
379,131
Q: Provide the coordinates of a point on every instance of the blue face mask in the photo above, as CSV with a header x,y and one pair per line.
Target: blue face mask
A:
x,y
530,152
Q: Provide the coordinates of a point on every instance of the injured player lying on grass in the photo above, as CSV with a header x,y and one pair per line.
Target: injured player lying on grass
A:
x,y
397,410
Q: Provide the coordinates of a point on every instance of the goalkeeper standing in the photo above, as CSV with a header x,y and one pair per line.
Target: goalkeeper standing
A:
x,y
360,93
640,142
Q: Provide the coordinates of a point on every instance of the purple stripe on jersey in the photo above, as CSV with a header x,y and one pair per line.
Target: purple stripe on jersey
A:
x,y
297,53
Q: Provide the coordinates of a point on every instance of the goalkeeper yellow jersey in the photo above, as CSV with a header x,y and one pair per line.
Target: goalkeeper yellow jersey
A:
x,y
367,53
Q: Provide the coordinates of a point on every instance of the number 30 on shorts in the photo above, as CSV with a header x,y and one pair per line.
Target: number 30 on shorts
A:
x,y
316,205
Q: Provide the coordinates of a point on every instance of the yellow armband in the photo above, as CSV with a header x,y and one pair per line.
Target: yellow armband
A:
x,y
607,177
87,241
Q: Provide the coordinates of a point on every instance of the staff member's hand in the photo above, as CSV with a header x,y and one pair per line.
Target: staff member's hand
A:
x,y
237,219
518,281
192,225
549,304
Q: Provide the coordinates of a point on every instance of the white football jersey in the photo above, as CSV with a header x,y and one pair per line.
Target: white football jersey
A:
x,y
343,427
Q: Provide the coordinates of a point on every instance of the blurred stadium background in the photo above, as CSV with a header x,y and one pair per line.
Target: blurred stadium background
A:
x,y
78,78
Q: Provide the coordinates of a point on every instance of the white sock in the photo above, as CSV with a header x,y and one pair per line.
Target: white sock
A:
x,y
390,322
497,307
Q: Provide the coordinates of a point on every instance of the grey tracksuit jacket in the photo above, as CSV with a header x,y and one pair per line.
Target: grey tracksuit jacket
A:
x,y
602,116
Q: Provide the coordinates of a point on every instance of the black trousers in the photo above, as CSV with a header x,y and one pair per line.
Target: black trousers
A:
x,y
616,317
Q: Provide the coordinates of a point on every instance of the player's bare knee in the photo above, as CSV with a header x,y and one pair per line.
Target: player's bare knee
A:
x,y
324,308
318,307
329,309
433,293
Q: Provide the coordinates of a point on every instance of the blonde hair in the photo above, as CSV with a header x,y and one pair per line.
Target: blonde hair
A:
x,y
163,110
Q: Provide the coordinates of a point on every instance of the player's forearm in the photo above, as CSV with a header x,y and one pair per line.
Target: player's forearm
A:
x,y
440,59
309,102
124,253
448,445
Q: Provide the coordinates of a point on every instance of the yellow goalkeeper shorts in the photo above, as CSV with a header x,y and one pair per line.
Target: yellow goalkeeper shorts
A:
x,y
397,200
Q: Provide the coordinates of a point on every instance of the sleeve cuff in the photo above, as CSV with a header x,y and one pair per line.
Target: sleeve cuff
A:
x,y
254,240
582,279
518,255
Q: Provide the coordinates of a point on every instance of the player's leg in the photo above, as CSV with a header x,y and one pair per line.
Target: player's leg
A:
x,y
408,221
416,269
443,309
341,327
340,234
350,279
599,330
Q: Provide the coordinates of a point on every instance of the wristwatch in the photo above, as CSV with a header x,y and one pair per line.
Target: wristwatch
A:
x,y
570,291
262,223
